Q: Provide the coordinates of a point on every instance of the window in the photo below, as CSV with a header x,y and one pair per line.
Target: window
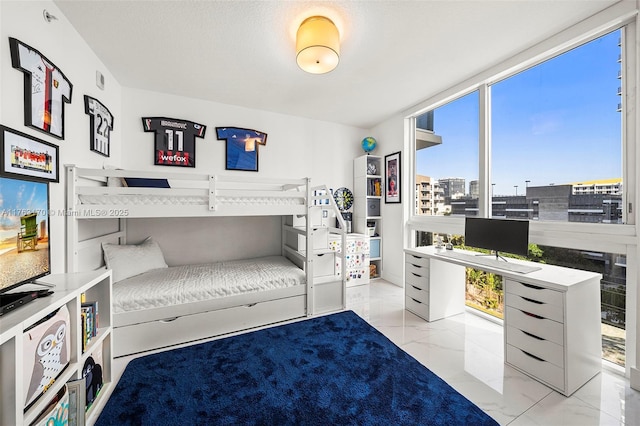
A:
x,y
446,156
554,155
556,138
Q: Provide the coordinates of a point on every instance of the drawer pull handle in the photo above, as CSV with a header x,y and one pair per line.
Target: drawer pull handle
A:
x,y
532,315
417,301
168,320
416,266
532,335
535,287
533,356
417,275
417,288
417,257
532,301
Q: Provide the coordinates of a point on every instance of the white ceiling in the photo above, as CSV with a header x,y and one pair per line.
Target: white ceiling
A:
x,y
394,54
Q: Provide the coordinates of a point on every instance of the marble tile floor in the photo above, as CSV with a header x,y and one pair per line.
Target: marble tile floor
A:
x,y
467,352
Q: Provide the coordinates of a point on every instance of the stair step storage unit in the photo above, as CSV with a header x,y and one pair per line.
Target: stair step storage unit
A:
x,y
368,184
313,252
552,329
356,258
18,355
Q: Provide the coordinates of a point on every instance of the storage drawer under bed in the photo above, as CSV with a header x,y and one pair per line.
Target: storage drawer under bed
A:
x,y
157,334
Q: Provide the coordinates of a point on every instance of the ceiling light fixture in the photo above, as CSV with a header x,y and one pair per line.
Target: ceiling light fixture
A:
x,y
317,45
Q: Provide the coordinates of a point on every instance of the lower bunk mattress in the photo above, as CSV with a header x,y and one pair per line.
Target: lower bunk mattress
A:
x,y
183,290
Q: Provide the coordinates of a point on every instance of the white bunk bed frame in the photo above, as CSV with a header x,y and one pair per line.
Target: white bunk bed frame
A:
x,y
198,195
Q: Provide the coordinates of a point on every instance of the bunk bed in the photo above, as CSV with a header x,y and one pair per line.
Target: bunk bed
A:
x,y
155,305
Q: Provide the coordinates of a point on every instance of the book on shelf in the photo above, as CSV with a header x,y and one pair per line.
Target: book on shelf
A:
x,y
89,320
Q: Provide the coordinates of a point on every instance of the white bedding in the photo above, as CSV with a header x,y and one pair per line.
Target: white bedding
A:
x,y
192,283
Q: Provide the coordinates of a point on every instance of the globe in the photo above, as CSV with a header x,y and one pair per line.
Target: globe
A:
x,y
369,144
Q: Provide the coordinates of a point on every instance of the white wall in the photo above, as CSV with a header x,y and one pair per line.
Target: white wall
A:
x,y
296,147
62,45
390,137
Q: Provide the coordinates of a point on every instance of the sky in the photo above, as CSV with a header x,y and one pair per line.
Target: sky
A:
x,y
555,123
17,197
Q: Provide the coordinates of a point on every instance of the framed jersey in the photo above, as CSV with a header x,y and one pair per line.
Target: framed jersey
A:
x,y
46,89
241,147
175,140
100,125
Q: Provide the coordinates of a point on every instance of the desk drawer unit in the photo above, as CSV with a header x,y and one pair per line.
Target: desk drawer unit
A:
x,y
535,334
433,289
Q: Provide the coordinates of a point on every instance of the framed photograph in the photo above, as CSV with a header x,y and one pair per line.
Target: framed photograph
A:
x,y
25,155
241,147
77,391
393,193
46,89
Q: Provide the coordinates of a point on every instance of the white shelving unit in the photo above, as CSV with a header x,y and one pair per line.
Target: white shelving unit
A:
x,y
356,258
368,184
68,291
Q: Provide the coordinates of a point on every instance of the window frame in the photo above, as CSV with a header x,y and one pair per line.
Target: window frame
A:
x,y
618,238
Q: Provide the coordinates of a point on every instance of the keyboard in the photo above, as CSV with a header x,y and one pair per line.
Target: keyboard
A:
x,y
491,261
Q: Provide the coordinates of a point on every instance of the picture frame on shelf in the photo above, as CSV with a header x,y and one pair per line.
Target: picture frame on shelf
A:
x,y
393,190
25,155
77,396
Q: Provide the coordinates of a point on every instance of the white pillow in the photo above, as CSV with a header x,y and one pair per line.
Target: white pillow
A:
x,y
113,181
129,260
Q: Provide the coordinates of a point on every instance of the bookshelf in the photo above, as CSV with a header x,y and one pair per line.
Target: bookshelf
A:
x,y
368,186
69,291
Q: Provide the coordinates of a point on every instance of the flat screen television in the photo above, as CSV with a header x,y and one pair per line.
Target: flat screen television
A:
x,y
498,235
24,232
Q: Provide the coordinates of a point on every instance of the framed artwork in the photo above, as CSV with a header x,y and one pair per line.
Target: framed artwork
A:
x,y
100,125
175,140
46,89
241,147
27,156
393,192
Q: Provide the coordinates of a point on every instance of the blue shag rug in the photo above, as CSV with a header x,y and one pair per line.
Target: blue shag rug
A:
x,y
330,370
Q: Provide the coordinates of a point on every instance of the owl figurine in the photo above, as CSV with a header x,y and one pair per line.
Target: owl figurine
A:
x,y
50,358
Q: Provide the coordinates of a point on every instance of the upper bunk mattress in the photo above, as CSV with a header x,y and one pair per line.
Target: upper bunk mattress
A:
x,y
177,200
193,283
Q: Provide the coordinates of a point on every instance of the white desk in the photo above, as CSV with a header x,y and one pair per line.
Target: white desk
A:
x,y
551,319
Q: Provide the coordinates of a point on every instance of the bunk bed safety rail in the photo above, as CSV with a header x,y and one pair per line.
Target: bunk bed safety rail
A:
x,y
91,194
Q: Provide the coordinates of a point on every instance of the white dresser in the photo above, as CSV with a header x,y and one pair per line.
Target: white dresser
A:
x,y
552,325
